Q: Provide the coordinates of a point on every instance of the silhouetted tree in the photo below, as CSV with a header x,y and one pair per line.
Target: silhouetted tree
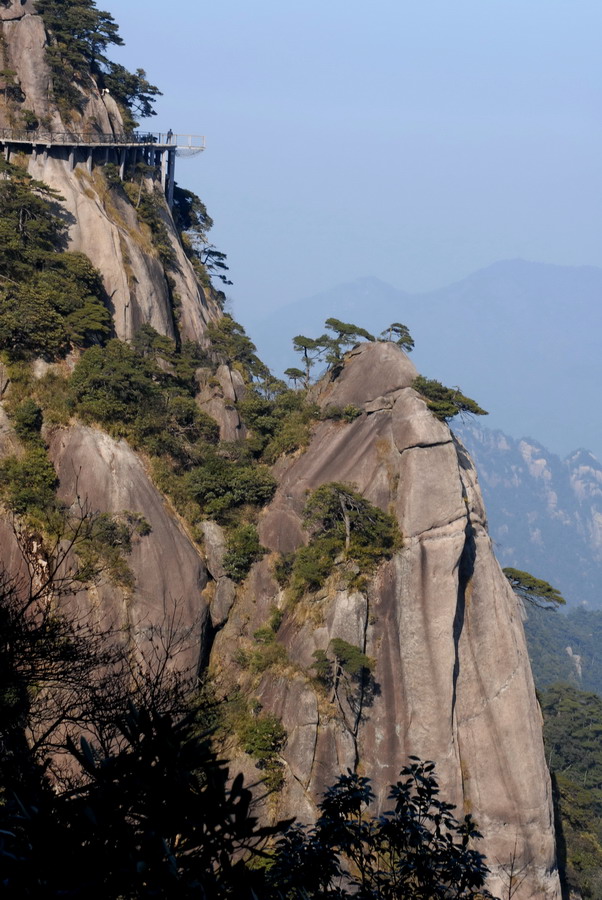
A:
x,y
401,335
417,849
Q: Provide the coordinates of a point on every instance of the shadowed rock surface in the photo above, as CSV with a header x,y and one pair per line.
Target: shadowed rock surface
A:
x,y
452,676
170,575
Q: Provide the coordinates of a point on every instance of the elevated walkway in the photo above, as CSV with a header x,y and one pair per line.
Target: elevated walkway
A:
x,y
157,149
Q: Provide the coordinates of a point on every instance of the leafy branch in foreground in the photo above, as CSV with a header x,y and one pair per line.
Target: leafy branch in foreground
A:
x,y
417,849
444,402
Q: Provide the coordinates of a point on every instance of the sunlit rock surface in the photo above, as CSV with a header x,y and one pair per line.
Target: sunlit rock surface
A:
x,y
452,677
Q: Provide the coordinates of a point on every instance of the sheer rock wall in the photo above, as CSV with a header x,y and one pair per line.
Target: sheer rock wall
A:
x,y
102,225
453,680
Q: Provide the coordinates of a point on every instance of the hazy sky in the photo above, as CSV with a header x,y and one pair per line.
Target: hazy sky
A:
x,y
413,141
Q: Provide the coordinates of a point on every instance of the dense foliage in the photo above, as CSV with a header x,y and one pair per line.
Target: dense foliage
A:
x,y
243,550
128,390
444,402
417,849
50,299
565,647
344,526
572,733
280,419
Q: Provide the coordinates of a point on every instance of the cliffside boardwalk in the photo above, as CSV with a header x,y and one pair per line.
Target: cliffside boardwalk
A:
x,y
158,149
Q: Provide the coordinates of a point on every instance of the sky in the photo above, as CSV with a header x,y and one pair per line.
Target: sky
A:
x,y
415,141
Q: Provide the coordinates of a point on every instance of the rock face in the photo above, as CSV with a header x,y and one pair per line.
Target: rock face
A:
x,y
23,48
452,680
106,228
452,677
170,575
102,224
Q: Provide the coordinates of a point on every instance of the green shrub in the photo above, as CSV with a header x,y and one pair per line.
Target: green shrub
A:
x,y
263,737
106,544
232,346
444,402
113,386
27,418
322,666
27,483
266,656
52,393
283,568
313,564
219,486
243,549
351,658
50,299
276,617
343,525
349,413
280,419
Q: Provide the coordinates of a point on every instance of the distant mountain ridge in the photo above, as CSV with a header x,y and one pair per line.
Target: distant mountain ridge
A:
x,y
545,513
521,337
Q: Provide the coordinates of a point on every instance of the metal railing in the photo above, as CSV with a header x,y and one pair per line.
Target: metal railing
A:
x,y
134,138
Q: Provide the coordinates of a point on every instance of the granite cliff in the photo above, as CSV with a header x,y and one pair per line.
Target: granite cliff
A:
x,y
102,225
452,673
451,680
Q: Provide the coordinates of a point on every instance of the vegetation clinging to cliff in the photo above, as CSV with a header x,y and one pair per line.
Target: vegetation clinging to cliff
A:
x,y
344,526
444,402
50,299
534,590
79,36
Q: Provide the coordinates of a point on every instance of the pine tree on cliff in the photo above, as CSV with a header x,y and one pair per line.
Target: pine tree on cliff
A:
x,y
79,35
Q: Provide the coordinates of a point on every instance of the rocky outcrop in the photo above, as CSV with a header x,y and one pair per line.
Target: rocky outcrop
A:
x,y
452,680
102,224
170,575
217,396
105,227
24,41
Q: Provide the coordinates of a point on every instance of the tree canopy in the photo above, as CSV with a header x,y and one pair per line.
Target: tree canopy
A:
x,y
50,299
79,35
534,590
444,402
416,850
400,333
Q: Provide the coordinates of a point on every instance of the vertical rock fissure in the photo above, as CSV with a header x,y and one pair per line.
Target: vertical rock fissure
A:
x,y
465,573
362,692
